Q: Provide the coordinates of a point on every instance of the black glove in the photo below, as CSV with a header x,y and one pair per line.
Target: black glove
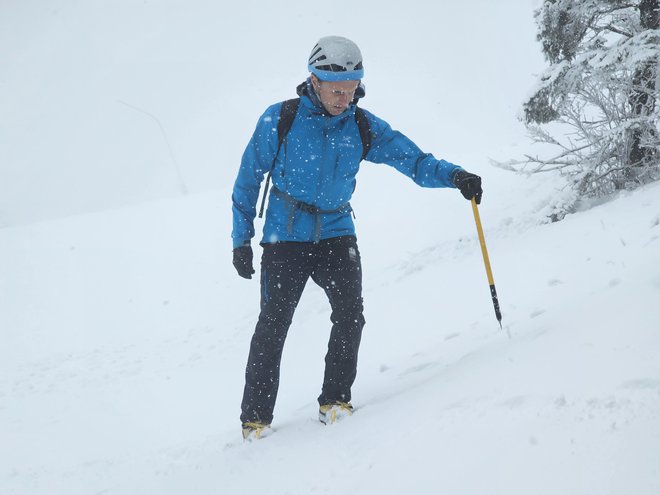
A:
x,y
243,261
469,185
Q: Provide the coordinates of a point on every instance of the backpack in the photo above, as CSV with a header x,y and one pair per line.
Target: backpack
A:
x,y
288,114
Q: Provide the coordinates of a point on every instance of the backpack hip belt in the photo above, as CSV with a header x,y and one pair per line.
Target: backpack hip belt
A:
x,y
294,205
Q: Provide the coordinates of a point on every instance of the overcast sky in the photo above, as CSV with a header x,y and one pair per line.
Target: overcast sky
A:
x,y
104,104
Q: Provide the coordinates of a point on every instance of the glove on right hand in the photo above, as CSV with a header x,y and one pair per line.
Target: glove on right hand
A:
x,y
469,185
243,261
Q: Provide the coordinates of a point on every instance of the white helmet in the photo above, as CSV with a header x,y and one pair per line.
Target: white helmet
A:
x,y
336,59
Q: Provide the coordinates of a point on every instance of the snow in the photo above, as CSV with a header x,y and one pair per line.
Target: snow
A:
x,y
125,329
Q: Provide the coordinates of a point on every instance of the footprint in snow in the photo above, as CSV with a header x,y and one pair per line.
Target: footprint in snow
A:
x,y
537,313
417,369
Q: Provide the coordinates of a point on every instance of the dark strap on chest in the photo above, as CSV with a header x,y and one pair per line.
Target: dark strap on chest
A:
x,y
287,115
365,131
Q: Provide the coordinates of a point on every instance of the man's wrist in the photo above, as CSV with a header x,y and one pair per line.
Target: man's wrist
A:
x,y
454,173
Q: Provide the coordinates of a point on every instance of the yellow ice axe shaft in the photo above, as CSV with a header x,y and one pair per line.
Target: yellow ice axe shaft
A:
x,y
489,271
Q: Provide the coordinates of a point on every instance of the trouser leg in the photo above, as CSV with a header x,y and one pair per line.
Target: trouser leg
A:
x,y
285,269
339,272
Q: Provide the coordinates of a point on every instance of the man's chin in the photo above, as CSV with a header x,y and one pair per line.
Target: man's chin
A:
x,y
334,111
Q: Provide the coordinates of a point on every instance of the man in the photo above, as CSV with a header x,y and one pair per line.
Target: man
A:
x,y
309,231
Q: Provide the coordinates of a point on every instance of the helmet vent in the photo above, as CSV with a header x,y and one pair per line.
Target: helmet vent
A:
x,y
337,59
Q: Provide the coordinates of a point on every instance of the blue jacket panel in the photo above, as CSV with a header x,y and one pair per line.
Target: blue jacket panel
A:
x,y
317,165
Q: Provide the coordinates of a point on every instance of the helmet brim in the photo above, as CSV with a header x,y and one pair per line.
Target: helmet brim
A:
x,y
347,75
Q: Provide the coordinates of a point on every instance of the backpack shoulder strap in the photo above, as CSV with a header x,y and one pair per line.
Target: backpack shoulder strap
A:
x,y
365,131
287,115
288,112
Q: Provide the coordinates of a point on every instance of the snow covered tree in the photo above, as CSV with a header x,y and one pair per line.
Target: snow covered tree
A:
x,y
597,103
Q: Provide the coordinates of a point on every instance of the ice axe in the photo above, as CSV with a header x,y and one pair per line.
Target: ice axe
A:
x,y
489,272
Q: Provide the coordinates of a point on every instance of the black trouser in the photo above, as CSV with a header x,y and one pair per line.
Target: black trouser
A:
x,y
334,264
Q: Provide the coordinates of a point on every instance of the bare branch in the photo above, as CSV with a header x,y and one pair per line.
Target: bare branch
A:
x,y
616,30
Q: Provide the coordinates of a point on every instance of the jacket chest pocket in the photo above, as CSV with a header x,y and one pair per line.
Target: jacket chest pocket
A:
x,y
347,151
300,160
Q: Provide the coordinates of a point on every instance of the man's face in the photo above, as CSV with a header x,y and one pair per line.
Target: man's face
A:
x,y
335,95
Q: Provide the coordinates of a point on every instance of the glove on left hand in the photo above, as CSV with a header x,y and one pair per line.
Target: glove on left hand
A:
x,y
469,185
243,261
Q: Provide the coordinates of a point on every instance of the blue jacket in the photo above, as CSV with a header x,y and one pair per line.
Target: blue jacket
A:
x,y
317,165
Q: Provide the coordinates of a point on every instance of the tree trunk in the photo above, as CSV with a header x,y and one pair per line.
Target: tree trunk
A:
x,y
642,99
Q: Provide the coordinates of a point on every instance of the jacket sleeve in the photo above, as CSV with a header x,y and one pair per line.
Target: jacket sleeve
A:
x,y
397,150
256,162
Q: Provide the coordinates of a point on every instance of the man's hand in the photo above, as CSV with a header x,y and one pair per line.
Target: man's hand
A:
x,y
469,185
243,261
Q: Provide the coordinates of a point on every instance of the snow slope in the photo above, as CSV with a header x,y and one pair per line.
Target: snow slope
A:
x,y
126,333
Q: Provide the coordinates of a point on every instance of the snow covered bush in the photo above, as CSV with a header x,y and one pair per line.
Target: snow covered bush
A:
x,y
596,104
